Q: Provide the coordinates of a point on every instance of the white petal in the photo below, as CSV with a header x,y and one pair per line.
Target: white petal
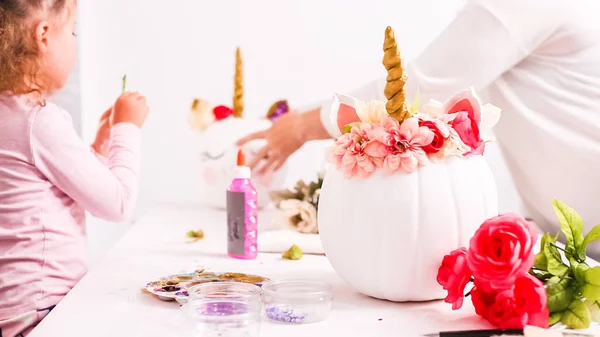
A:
x,y
490,115
433,108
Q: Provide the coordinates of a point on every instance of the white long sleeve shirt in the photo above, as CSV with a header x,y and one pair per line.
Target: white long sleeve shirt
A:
x,y
539,61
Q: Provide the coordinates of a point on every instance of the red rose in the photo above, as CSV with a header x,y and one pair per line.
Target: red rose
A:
x,y
521,306
438,138
453,275
468,131
531,297
505,314
222,112
500,251
482,300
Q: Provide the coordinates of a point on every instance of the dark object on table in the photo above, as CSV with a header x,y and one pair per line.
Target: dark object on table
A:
x,y
477,333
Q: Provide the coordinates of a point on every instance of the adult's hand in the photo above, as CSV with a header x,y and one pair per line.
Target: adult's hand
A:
x,y
285,136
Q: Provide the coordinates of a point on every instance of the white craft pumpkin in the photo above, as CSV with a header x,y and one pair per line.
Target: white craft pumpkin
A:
x,y
217,155
387,235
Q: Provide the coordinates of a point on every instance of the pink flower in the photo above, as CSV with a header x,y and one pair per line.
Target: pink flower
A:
x,y
525,304
453,275
350,154
401,145
440,134
501,251
467,108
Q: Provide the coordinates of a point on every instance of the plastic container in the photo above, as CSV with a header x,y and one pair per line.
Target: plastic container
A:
x,y
296,301
224,309
242,214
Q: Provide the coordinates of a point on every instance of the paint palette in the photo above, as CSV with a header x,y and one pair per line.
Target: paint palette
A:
x,y
174,287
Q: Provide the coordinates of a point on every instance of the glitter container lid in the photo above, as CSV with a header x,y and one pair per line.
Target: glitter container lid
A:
x,y
296,301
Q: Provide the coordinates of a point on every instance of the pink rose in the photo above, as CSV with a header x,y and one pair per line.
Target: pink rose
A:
x,y
482,300
521,306
439,137
468,131
468,109
500,251
453,275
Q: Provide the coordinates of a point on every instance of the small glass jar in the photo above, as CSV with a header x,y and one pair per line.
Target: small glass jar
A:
x,y
297,301
224,309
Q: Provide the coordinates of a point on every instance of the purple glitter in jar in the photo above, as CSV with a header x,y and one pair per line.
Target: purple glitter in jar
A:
x,y
285,315
222,308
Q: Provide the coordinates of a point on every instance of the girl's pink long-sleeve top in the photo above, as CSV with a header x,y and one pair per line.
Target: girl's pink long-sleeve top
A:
x,y
49,178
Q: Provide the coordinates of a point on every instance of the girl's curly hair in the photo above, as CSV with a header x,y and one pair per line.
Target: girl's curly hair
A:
x,y
19,54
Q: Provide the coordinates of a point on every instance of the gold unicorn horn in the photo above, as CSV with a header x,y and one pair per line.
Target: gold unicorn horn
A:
x,y
396,79
238,90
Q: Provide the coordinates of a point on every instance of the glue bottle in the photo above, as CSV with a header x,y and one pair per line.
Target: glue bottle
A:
x,y
242,213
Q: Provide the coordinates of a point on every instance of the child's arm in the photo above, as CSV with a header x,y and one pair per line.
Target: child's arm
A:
x,y
108,192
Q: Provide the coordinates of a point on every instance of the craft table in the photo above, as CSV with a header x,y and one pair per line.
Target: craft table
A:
x,y
109,302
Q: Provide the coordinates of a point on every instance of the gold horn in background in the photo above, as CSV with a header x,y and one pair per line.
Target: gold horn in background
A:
x,y
238,90
396,79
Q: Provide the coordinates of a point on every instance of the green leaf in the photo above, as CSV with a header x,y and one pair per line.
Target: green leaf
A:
x,y
594,308
124,84
416,104
541,262
579,270
561,293
577,316
555,317
591,236
572,226
591,288
554,261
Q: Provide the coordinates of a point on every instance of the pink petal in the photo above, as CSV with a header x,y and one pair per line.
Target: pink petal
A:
x,y
391,163
423,136
409,128
376,149
389,122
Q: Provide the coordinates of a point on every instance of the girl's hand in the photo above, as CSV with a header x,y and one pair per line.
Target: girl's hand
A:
x,y
130,108
100,144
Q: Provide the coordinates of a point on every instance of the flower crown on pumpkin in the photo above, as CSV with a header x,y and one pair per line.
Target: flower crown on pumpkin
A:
x,y
397,137
204,114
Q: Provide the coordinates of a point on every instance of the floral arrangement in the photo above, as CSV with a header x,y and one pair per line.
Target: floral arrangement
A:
x,y
298,207
396,137
204,114
513,287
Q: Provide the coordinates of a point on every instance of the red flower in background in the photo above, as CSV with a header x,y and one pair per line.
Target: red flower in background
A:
x,y
221,112
453,275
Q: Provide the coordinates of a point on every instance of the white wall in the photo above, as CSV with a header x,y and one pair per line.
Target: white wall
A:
x,y
299,50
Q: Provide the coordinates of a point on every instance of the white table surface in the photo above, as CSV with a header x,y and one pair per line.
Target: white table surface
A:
x,y
109,301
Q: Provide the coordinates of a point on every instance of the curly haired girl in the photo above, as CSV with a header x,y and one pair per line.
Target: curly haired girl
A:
x,y
48,176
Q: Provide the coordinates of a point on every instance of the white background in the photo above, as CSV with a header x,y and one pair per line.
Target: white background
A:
x,y
176,50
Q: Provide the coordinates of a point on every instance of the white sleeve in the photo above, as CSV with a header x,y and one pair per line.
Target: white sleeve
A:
x,y
485,39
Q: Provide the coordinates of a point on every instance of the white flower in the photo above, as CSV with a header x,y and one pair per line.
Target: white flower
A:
x,y
490,115
433,108
201,115
371,112
300,215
